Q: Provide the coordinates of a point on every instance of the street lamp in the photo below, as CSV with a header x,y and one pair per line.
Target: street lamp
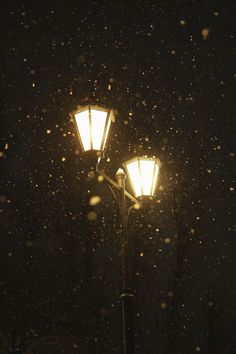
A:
x,y
93,124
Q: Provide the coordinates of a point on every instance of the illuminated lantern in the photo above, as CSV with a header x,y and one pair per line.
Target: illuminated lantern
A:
x,y
93,124
143,175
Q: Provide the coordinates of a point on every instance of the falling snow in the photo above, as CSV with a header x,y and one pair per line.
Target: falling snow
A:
x,y
167,70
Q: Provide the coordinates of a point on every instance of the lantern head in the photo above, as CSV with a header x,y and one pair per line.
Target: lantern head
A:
x,y
93,124
143,175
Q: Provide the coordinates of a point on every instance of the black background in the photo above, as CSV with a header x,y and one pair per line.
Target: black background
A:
x,y
166,67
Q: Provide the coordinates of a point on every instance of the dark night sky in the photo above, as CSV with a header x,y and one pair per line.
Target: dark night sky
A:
x,y
166,67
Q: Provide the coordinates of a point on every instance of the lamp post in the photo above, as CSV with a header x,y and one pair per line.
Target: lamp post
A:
x,y
93,124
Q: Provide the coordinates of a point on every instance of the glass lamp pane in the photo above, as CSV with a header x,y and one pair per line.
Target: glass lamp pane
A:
x,y
146,173
155,179
82,121
98,122
106,133
135,179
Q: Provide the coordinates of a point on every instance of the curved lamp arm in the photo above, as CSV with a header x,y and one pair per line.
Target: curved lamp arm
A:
x,y
112,183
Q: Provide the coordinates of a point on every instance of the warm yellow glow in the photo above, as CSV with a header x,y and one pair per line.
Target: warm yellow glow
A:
x,y
143,173
93,125
155,179
133,171
146,173
98,121
82,121
106,134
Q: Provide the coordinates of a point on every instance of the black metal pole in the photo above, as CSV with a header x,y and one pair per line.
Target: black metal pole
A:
x,y
126,295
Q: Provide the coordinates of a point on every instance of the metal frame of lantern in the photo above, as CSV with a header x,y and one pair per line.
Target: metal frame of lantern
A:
x,y
154,175
91,109
121,196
